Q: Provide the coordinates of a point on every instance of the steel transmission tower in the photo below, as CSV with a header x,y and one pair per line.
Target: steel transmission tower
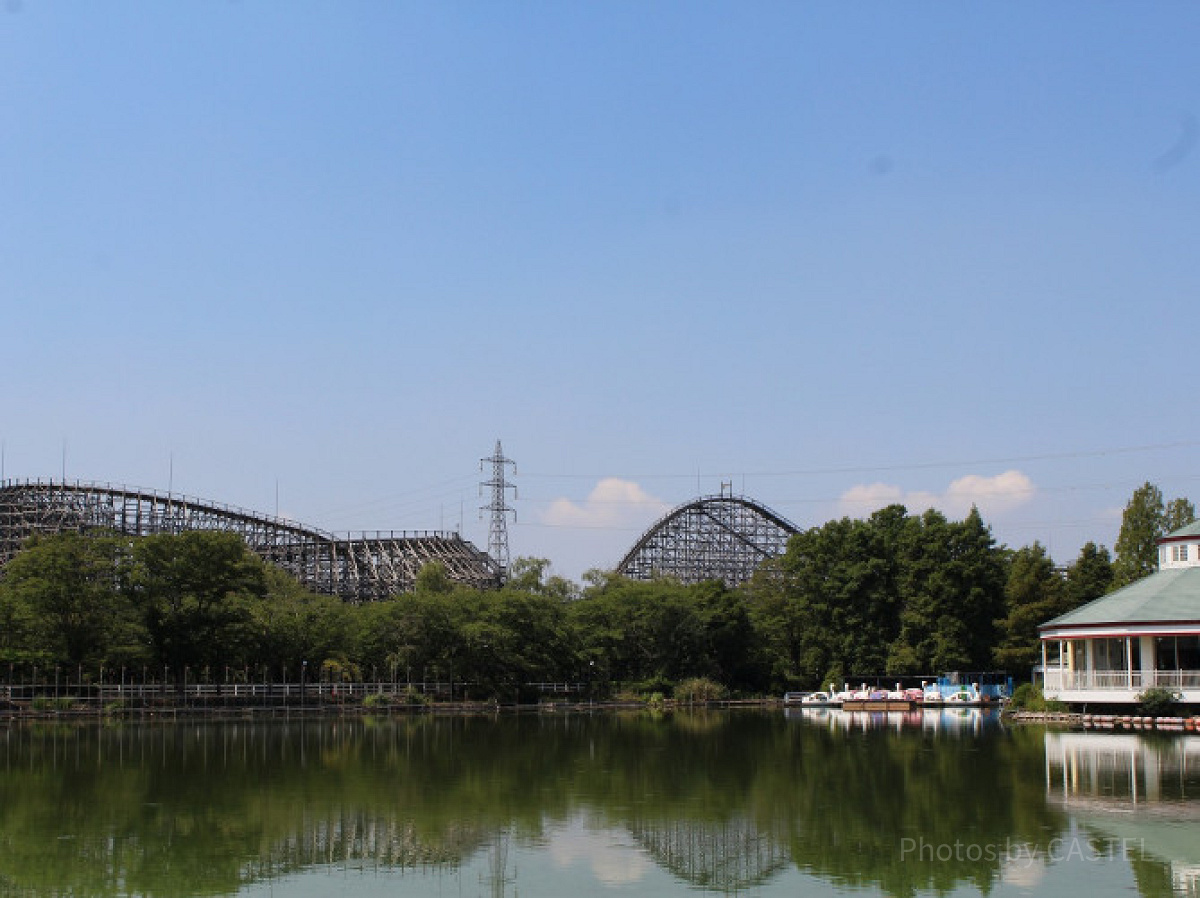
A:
x,y
499,507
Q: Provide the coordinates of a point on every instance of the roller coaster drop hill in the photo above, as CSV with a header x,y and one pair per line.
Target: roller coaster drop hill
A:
x,y
356,567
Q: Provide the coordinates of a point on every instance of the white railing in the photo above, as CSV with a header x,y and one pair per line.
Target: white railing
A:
x,y
1057,678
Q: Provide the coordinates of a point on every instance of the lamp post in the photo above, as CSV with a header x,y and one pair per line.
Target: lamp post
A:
x,y
303,673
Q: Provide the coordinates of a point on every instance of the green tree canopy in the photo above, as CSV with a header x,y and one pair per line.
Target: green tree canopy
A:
x,y
66,592
1145,521
1089,577
1034,593
197,591
1142,523
1179,513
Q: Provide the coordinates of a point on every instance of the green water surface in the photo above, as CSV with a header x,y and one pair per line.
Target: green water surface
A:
x,y
752,803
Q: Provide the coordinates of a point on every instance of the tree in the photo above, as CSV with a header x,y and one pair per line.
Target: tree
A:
x,y
1145,521
952,579
197,592
1142,524
1033,594
292,625
69,586
1088,578
16,628
777,625
1179,513
433,577
530,575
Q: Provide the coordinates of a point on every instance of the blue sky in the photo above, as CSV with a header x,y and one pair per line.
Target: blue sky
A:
x,y
833,254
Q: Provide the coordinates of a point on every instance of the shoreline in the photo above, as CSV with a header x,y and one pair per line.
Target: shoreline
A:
x,y
205,711
83,711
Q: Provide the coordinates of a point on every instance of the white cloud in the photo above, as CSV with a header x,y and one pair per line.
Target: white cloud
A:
x,y
612,503
992,495
1000,493
864,498
612,859
1022,869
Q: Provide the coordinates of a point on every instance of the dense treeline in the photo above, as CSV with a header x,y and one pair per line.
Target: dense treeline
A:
x,y
893,594
902,595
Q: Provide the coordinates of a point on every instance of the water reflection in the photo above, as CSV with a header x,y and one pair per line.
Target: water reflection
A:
x,y
727,856
955,721
1136,794
760,802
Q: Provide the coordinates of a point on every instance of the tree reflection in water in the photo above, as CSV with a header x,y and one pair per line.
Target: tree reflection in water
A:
x,y
722,801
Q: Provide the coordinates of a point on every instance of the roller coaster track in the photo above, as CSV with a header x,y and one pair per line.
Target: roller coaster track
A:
x,y
712,538
356,567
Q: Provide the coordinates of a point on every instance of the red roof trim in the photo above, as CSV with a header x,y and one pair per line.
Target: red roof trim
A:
x,y
1178,539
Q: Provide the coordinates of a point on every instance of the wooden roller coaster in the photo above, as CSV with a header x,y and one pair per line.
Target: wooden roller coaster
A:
x,y
356,567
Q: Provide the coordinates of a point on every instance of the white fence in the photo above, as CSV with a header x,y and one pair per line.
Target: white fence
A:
x,y
1061,679
247,694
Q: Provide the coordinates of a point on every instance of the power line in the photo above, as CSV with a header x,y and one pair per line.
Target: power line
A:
x,y
909,466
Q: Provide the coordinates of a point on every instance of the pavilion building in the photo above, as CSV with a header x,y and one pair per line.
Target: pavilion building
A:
x,y
1143,635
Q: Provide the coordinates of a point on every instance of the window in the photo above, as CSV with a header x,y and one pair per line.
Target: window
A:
x,y
1188,648
1053,652
1179,552
1165,657
1108,654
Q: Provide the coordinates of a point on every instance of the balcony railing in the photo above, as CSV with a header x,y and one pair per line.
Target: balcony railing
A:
x,y
1059,679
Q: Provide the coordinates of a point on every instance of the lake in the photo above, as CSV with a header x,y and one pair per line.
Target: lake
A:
x,y
766,803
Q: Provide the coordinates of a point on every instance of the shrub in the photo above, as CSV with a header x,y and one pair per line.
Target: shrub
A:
x,y
1024,696
1029,697
657,683
1157,701
414,696
46,703
376,700
699,690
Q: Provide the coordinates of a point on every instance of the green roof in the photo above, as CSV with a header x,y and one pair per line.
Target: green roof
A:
x,y
1168,595
1192,529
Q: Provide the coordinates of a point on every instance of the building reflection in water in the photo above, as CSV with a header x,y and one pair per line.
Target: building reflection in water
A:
x,y
1139,792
